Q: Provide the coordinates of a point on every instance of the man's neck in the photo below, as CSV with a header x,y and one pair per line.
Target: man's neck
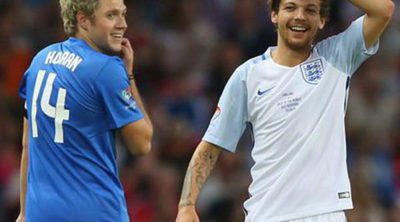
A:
x,y
83,36
285,56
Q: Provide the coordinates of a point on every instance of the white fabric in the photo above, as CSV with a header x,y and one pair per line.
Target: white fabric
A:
x,y
297,116
330,217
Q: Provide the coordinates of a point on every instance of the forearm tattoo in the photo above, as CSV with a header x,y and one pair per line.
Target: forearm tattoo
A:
x,y
186,191
201,167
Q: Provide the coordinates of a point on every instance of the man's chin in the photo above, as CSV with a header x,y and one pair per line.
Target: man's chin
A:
x,y
299,46
115,51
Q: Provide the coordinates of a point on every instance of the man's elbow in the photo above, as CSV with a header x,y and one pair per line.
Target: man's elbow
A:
x,y
388,11
143,145
144,149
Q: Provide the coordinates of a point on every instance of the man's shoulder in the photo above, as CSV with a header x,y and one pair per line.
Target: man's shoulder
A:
x,y
77,57
351,33
255,60
74,46
245,67
43,52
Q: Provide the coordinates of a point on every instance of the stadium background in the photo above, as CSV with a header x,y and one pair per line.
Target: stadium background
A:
x,y
185,52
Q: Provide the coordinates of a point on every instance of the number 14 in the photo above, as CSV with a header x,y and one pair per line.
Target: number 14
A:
x,y
59,113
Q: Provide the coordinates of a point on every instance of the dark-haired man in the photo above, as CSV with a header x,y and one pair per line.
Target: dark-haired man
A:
x,y
294,97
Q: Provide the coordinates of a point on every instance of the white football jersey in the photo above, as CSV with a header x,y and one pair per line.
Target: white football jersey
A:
x,y
297,118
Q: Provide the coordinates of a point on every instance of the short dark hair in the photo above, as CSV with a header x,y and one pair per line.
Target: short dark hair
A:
x,y
273,6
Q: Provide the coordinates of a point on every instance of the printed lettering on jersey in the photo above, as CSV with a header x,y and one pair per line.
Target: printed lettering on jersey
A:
x,y
312,71
127,96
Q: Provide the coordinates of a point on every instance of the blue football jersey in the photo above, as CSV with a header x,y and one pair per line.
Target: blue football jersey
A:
x,y
76,98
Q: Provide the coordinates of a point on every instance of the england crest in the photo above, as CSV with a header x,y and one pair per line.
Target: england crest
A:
x,y
312,71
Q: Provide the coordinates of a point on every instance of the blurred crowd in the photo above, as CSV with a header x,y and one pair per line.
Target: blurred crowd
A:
x,y
185,51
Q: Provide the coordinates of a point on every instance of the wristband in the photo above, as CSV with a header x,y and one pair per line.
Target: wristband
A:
x,y
131,77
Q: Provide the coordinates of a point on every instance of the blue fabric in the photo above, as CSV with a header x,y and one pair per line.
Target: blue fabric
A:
x,y
72,172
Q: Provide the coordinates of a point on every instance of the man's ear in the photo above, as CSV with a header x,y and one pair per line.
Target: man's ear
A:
x,y
274,18
322,23
82,20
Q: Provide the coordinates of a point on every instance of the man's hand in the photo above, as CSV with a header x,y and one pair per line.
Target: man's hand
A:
x,y
187,214
128,55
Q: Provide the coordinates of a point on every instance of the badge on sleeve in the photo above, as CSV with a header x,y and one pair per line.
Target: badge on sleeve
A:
x,y
128,98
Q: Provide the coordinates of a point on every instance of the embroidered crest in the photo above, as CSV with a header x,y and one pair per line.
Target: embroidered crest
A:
x,y
127,96
312,71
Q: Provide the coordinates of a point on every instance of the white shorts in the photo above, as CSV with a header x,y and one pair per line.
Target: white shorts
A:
x,y
329,217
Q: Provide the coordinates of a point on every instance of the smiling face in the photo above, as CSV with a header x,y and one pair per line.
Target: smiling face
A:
x,y
105,30
298,22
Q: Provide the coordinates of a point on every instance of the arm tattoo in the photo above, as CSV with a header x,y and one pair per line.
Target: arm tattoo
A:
x,y
201,167
204,167
186,191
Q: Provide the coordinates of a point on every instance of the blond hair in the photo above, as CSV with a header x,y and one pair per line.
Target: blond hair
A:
x,y
69,10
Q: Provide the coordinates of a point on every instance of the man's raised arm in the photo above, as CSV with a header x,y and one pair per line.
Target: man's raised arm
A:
x,y
378,14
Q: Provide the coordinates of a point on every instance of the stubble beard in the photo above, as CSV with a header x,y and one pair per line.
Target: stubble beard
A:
x,y
299,46
296,45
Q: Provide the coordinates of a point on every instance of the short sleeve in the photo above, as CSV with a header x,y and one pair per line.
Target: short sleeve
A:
x,y
22,86
113,86
346,51
22,91
230,118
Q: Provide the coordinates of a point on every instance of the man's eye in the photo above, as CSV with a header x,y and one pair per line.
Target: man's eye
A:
x,y
289,8
312,11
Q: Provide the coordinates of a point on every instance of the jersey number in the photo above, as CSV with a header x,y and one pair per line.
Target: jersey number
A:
x,y
59,113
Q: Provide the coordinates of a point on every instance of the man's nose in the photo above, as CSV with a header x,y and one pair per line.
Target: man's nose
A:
x,y
122,23
300,14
